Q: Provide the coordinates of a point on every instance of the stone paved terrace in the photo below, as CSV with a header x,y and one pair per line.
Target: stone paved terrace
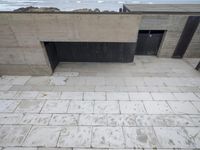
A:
x,y
153,103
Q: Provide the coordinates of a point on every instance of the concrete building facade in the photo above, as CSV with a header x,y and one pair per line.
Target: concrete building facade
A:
x,y
23,36
171,18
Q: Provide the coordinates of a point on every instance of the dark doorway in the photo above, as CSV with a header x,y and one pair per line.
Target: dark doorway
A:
x,y
89,52
198,66
148,42
186,36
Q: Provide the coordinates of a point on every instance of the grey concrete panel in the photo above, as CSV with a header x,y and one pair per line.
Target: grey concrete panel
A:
x,y
25,70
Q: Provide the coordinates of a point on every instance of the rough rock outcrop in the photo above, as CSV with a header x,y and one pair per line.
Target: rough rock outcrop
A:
x,y
37,9
53,9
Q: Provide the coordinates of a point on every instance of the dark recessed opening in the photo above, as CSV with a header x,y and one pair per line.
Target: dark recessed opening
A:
x,y
186,36
148,42
89,52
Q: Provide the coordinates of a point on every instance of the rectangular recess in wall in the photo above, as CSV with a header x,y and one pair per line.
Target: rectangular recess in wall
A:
x,y
89,52
148,42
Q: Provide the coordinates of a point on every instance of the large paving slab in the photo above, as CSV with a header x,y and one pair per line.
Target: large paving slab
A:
x,y
64,119
157,107
8,105
43,136
31,106
36,119
81,107
49,95
177,137
77,136
52,106
12,135
140,137
10,118
132,107
93,119
103,107
94,96
153,103
111,137
121,120
184,107
27,95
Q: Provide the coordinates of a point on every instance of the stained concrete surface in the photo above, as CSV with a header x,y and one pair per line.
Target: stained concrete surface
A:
x,y
153,103
22,50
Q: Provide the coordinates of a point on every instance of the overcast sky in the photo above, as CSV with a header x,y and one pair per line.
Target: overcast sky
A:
x,y
68,5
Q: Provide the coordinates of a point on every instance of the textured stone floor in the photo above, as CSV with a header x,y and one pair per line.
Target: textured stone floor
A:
x,y
153,103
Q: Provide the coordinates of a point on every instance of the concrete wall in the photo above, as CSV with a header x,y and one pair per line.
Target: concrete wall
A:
x,y
21,50
193,49
173,26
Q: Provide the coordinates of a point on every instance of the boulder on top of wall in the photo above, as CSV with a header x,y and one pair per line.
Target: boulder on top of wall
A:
x,y
93,10
37,9
108,11
86,10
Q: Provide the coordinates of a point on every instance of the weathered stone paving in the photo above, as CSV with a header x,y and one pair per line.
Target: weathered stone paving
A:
x,y
151,104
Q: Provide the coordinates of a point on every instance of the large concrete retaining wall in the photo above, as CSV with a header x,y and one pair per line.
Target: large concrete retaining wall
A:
x,y
21,36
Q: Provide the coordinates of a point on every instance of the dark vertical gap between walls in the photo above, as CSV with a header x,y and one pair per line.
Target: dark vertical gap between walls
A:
x,y
186,36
